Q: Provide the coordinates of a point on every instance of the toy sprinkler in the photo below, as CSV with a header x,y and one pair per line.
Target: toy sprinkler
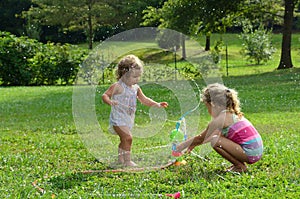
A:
x,y
177,135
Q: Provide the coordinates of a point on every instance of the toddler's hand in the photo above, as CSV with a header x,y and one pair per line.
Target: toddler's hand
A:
x,y
113,103
164,104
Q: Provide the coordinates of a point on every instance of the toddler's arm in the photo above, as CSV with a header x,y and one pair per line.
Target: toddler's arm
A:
x,y
106,97
148,101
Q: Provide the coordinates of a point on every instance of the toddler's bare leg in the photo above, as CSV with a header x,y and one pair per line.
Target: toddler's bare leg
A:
x,y
125,145
121,153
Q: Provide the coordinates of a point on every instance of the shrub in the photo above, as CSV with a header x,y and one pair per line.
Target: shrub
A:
x,y
256,44
25,62
57,64
14,53
216,51
44,62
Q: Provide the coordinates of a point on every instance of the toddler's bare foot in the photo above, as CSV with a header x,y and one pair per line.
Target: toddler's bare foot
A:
x,y
130,164
120,162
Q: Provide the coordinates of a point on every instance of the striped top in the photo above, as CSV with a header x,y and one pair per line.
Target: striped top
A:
x,y
243,133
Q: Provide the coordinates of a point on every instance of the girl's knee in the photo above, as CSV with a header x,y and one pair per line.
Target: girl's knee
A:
x,y
215,141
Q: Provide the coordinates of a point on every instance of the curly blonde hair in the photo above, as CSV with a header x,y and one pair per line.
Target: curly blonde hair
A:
x,y
219,95
128,63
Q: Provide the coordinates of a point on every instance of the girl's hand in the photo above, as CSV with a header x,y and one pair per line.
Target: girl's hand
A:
x,y
163,104
190,148
113,103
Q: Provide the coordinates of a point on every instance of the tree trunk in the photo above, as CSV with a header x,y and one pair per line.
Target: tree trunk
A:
x,y
90,27
183,46
207,43
285,59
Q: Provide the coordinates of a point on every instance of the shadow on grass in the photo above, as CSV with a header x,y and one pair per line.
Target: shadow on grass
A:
x,y
68,181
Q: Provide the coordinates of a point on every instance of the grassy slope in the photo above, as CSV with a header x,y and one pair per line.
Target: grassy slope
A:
x,y
237,64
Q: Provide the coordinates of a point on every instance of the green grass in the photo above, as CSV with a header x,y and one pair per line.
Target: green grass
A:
x,y
39,142
237,64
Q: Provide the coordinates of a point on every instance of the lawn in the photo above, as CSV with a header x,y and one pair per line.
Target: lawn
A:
x,y
40,144
237,64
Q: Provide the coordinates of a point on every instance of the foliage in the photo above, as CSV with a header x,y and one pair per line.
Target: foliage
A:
x,y
190,17
168,39
78,15
128,13
9,10
27,62
56,63
193,17
14,53
98,19
270,12
257,44
173,14
39,143
216,51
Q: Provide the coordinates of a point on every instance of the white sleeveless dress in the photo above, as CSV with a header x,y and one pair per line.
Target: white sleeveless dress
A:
x,y
123,114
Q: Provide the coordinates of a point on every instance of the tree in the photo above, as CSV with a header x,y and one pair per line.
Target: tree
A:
x,y
259,12
193,16
285,58
8,11
128,13
91,16
273,11
71,15
176,15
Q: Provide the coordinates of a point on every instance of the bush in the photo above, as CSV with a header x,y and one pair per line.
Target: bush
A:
x,y
27,62
256,44
14,53
216,51
57,64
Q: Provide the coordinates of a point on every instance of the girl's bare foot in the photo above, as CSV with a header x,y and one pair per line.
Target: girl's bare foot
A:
x,y
237,168
229,168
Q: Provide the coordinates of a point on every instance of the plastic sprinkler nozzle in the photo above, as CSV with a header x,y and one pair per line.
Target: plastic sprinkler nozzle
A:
x,y
176,154
177,125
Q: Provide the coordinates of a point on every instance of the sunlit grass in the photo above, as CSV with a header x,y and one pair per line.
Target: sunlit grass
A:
x,y
39,142
236,65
